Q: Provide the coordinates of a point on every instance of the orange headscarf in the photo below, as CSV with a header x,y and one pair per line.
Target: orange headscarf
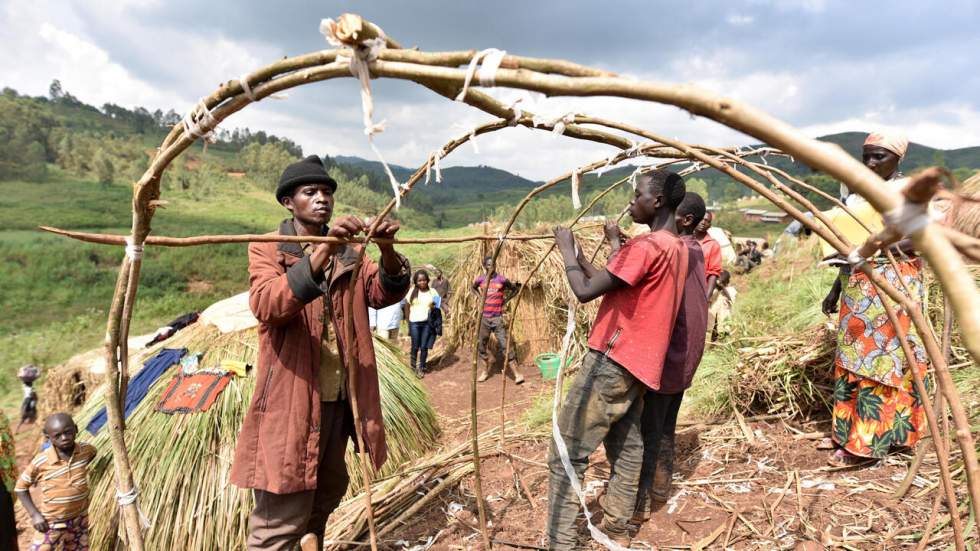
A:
x,y
892,141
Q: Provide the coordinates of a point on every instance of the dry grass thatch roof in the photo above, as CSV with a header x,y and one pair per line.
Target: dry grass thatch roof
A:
x,y
542,313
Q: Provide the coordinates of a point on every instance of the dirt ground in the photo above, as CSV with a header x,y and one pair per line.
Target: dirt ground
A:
x,y
761,486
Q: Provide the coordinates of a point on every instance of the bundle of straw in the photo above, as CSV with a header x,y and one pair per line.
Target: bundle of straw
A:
x,y
398,498
542,313
182,462
789,373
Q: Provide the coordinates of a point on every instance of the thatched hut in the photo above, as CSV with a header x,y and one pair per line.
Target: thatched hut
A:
x,y
541,316
67,386
182,462
966,217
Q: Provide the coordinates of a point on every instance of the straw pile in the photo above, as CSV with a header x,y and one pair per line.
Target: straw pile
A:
x,y
181,463
400,497
788,374
542,314
967,218
67,386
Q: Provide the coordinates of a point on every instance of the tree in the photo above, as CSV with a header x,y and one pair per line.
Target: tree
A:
x,y
55,91
697,185
104,169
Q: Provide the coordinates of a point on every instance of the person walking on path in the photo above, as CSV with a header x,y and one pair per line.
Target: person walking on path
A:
x,y
499,292
641,288
442,286
292,445
876,407
419,306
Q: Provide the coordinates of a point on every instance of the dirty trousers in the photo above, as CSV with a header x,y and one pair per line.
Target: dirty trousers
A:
x,y
658,426
279,520
498,327
604,405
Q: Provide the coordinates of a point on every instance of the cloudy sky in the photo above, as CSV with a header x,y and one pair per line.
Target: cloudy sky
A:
x,y
823,65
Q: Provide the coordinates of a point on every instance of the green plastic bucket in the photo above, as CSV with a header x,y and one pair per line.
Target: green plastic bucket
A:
x,y
548,363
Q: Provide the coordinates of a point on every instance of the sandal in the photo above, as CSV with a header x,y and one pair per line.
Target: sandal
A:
x,y
843,459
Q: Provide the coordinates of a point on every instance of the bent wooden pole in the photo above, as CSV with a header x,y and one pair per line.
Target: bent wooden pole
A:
x,y
114,399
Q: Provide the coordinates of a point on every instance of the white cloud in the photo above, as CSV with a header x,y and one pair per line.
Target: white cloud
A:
x,y
740,20
125,52
88,73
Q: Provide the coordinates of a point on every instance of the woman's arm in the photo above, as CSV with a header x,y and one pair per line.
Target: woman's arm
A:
x,y
832,300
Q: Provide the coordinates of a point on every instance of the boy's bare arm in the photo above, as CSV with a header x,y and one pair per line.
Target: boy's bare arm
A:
x,y
37,519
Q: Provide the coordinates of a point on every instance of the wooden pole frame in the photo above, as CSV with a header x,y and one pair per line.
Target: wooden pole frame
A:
x,y
441,73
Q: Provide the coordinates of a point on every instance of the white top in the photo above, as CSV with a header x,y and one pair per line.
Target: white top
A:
x,y
418,309
386,318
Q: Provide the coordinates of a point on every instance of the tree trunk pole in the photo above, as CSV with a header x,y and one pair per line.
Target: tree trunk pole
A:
x,y
114,409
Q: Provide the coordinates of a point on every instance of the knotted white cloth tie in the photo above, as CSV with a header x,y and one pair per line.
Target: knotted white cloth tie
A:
x,y
133,252
130,498
492,57
576,201
908,218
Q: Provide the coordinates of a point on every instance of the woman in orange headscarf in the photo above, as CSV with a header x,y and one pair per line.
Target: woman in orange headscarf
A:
x,y
876,407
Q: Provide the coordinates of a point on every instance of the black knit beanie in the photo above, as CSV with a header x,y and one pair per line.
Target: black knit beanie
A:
x,y
308,171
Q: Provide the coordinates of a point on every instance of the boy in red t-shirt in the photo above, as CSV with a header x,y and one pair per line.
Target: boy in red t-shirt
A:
x,y
660,405
641,288
712,252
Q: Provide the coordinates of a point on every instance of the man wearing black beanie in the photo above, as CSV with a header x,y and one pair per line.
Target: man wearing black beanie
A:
x,y
291,448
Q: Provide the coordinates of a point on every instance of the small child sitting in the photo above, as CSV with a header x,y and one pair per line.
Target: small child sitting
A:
x,y
61,473
720,309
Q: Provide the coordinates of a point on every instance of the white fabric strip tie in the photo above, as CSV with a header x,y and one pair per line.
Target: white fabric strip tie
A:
x,y
471,133
492,57
364,54
247,90
518,113
395,186
637,172
634,149
200,123
576,201
133,252
855,259
434,163
561,122
560,446
130,498
908,218
602,169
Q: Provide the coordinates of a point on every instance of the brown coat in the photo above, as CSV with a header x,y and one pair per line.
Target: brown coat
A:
x,y
278,444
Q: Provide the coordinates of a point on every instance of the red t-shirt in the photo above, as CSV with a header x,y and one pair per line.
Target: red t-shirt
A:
x,y
687,339
712,257
494,307
634,323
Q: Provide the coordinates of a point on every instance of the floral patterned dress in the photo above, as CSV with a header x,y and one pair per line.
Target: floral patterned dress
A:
x,y
876,406
8,459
